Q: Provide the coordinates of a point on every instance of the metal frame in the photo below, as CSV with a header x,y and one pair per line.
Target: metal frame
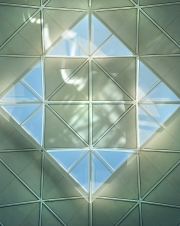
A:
x,y
90,102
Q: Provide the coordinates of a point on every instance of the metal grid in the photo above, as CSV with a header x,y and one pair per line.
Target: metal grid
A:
x,y
138,150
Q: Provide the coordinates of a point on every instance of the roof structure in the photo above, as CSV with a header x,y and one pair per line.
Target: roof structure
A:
x,y
89,112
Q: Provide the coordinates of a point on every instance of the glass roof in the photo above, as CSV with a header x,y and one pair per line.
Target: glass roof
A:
x,y
96,98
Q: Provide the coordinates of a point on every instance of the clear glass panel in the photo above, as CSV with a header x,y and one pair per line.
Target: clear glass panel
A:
x,y
99,33
19,93
161,92
80,172
115,158
66,47
146,79
20,111
161,112
34,78
65,158
146,126
34,125
80,33
113,47
100,173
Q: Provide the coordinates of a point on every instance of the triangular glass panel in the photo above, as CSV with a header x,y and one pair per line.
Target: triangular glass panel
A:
x,y
81,172
66,47
99,33
160,112
28,40
115,158
80,33
34,79
161,92
146,126
103,86
146,79
20,111
34,125
76,88
65,158
99,174
19,93
104,116
113,47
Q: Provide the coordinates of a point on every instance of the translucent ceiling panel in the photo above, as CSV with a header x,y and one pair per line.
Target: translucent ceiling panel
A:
x,y
110,4
27,215
19,93
58,135
146,79
160,215
66,47
34,79
77,211
146,126
20,111
56,22
154,42
161,112
153,165
167,68
75,88
56,181
66,158
123,70
163,140
161,92
110,212
102,86
125,184
12,189
168,23
76,116
99,33
113,47
81,172
27,165
34,125
81,4
150,2
48,218
27,41
168,191
122,134
13,68
99,173
122,23
104,116
11,18
115,158
22,2
11,138
58,70
80,33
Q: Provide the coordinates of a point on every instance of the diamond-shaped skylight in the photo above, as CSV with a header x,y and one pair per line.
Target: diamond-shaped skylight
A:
x,y
82,108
